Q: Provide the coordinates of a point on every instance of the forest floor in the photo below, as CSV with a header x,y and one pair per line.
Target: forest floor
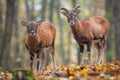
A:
x,y
107,71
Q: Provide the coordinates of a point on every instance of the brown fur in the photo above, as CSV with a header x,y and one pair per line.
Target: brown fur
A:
x,y
95,27
93,30
44,37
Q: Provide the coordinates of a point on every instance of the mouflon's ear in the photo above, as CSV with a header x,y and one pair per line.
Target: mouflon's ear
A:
x,y
64,11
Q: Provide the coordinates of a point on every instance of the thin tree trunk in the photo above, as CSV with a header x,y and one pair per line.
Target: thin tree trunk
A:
x,y
33,10
109,7
51,10
74,3
27,9
1,26
6,42
116,14
30,10
16,27
1,14
16,31
43,11
62,52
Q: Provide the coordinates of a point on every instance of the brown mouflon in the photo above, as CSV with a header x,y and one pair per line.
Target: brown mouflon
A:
x,y
40,35
93,30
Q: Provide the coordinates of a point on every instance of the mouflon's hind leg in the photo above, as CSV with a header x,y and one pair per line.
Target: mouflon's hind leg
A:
x,y
101,52
52,50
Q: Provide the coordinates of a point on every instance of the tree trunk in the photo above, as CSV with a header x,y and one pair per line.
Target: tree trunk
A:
x,y
73,3
51,10
43,11
16,32
62,52
109,48
27,9
116,15
6,42
30,10
1,26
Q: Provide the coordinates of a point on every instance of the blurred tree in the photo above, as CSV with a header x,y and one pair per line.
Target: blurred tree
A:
x,y
27,9
108,11
74,3
30,9
16,32
43,11
51,9
6,42
62,52
33,10
1,26
116,16
110,40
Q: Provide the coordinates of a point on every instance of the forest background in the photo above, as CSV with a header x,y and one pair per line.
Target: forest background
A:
x,y
13,53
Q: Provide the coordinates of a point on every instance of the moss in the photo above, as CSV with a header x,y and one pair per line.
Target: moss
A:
x,y
23,73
